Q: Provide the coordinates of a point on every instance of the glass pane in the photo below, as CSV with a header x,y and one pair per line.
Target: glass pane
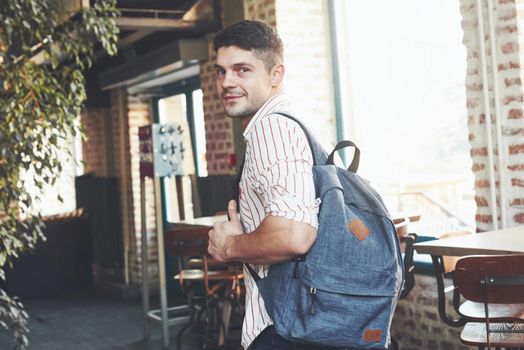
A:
x,y
407,109
173,109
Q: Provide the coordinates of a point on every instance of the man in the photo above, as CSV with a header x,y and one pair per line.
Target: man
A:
x,y
277,217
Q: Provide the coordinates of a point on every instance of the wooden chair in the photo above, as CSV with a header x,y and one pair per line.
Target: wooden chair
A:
x,y
198,263
217,283
493,280
465,311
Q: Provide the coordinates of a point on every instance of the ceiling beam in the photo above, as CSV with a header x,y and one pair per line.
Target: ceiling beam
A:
x,y
133,38
158,62
137,23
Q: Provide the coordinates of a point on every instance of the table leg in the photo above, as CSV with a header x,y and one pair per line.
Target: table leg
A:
x,y
225,318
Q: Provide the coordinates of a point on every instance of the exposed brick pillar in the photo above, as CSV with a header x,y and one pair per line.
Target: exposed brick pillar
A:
x,y
138,109
515,131
219,128
222,134
508,31
121,168
94,154
304,27
261,10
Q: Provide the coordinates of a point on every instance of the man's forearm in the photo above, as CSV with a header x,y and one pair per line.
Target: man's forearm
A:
x,y
276,240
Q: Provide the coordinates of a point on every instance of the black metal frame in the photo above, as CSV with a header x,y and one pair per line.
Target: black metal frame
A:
x,y
440,275
409,266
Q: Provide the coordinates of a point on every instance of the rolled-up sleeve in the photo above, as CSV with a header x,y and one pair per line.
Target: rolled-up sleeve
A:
x,y
284,176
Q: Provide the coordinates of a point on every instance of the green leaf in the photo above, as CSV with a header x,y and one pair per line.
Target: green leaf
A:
x,y
38,111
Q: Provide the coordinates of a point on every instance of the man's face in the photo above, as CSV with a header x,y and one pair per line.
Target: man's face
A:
x,y
243,82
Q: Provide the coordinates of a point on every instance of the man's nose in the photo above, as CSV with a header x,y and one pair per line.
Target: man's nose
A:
x,y
228,80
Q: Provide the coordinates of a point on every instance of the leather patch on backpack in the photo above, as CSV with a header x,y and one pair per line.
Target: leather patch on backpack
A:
x,y
358,228
372,335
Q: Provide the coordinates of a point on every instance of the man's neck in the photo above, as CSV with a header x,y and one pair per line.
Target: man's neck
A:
x,y
245,121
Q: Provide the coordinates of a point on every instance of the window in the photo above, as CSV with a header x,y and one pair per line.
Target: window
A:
x,y
403,92
59,198
183,105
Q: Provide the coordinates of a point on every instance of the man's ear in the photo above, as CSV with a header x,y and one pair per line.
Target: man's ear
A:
x,y
277,75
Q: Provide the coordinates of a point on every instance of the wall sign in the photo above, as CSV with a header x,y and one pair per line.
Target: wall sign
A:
x,y
163,150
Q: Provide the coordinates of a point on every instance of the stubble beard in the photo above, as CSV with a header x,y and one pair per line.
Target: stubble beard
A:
x,y
239,112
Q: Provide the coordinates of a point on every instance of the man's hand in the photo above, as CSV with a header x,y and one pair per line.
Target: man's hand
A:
x,y
223,233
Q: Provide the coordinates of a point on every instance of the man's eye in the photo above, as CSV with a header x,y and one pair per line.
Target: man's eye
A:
x,y
220,71
243,69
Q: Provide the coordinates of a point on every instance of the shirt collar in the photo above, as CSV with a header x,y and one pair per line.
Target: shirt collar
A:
x,y
278,102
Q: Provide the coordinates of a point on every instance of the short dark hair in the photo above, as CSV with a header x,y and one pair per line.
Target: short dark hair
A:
x,y
252,35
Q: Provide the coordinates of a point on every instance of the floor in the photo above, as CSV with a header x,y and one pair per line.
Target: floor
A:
x,y
87,322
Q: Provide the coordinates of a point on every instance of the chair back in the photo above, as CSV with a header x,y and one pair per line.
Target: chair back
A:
x,y
187,240
491,278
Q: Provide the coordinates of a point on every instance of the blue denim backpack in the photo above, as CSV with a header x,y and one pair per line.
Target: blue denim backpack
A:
x,y
344,291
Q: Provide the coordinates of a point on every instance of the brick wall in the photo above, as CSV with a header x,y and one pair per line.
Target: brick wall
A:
x,y
515,131
219,127
139,114
304,28
508,16
118,111
416,324
111,149
261,10
120,163
220,140
94,150
306,50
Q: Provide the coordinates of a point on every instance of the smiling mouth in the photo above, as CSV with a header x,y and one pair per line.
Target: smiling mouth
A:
x,y
232,97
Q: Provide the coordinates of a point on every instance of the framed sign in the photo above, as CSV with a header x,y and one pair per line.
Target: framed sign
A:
x,y
164,150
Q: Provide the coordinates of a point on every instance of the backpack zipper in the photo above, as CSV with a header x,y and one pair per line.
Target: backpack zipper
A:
x,y
295,270
313,295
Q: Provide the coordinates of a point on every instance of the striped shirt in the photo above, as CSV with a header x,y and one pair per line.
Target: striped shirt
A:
x,y
277,180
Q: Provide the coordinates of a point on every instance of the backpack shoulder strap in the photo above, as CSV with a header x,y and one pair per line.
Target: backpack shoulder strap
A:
x,y
320,156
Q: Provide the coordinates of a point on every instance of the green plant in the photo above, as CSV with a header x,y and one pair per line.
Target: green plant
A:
x,y
39,108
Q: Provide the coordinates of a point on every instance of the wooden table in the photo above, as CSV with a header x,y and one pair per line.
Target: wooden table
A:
x,y
402,220
198,228
401,217
205,221
505,241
